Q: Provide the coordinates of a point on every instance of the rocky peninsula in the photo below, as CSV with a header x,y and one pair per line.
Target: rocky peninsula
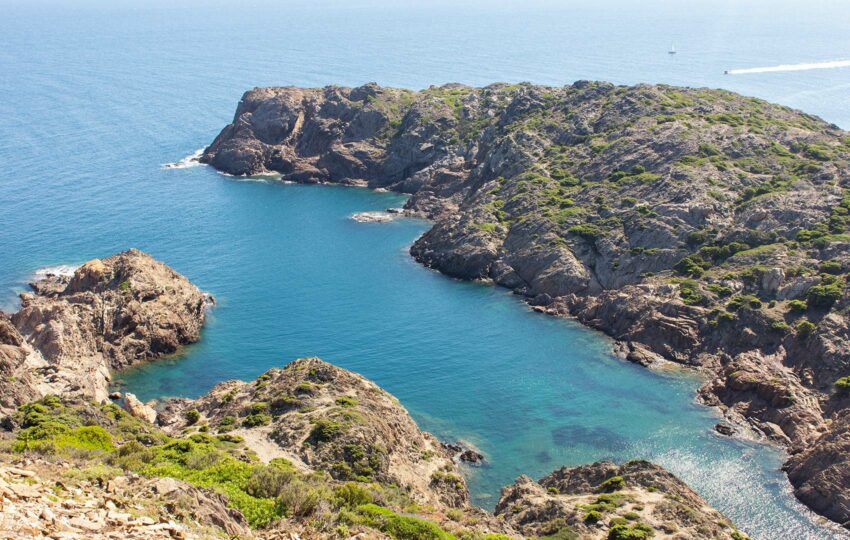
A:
x,y
695,226
72,332
306,451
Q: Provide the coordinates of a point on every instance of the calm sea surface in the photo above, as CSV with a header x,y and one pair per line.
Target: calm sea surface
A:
x,y
95,98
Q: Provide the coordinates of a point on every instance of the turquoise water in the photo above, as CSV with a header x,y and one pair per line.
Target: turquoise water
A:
x,y
94,99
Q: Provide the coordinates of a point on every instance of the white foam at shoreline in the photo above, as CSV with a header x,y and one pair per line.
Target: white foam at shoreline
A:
x,y
192,160
373,217
791,67
58,270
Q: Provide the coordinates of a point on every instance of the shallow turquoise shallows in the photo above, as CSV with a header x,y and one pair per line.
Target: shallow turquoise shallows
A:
x,y
94,99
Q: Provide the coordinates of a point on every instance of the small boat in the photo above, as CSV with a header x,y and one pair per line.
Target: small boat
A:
x,y
672,49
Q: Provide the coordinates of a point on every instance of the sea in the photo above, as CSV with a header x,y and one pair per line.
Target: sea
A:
x,y
103,102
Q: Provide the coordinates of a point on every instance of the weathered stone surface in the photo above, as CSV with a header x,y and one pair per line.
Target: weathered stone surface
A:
x,y
138,409
112,313
590,500
131,508
821,473
325,418
591,200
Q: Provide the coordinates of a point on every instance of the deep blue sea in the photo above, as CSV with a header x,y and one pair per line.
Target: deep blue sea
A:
x,y
96,96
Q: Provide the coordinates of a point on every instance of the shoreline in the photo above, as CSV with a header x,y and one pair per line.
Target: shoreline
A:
x,y
517,179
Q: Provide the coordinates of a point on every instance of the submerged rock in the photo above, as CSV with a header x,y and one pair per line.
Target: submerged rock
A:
x,y
373,217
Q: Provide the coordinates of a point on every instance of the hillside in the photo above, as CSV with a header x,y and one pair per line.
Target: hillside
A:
x,y
305,451
693,225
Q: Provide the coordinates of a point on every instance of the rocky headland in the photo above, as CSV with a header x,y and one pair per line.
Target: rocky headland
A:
x,y
695,226
305,451
604,500
72,332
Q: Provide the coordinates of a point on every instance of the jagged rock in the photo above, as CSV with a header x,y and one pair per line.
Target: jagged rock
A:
x,y
821,473
772,280
110,314
326,418
587,501
464,454
138,409
591,200
724,429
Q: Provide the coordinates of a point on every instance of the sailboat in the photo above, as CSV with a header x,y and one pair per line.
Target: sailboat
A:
x,y
672,49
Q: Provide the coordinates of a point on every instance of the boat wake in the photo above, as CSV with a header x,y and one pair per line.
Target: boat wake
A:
x,y
791,67
192,160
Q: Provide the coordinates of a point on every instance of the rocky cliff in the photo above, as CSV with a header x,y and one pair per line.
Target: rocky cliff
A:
x,y
603,500
71,332
693,225
323,418
306,451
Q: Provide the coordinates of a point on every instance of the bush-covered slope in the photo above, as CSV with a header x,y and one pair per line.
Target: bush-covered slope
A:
x,y
693,225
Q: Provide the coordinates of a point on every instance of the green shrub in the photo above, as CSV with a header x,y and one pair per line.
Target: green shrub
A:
x,y
588,231
593,516
690,293
325,429
843,385
613,484
743,300
692,265
401,527
192,416
124,286
805,328
282,403
298,499
720,290
226,424
825,294
831,267
351,495
268,482
346,401
258,408
798,305
780,326
638,531
256,419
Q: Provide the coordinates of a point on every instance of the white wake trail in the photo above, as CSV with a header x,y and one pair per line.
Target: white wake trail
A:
x,y
791,67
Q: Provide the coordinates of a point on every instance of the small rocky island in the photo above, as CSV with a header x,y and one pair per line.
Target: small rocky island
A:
x,y
695,226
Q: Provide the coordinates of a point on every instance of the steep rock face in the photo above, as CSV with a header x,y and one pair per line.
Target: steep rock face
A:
x,y
821,473
112,313
694,225
16,383
603,499
324,418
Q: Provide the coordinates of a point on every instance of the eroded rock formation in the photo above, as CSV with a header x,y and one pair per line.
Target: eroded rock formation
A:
x,y
693,225
71,332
